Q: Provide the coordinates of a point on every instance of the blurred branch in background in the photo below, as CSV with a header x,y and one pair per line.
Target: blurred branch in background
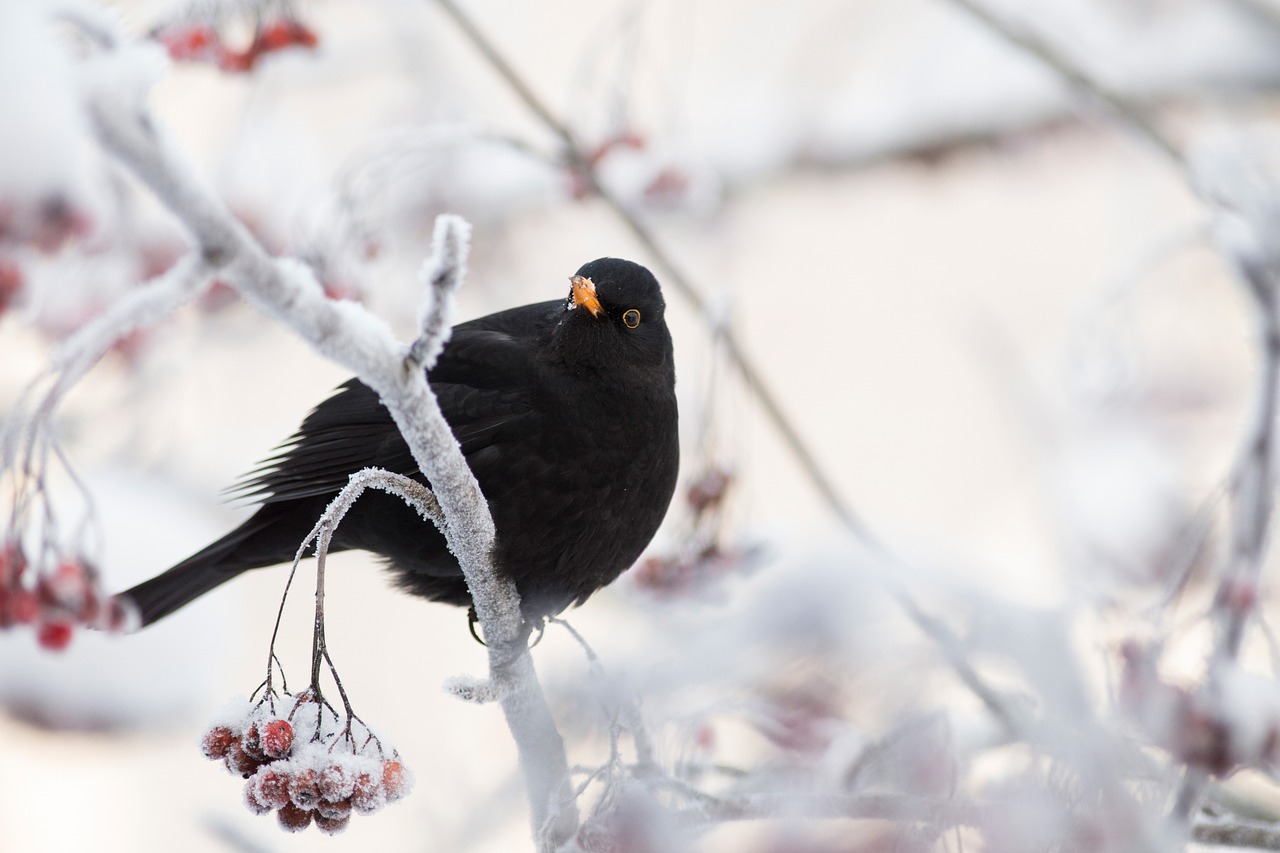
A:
x,y
778,696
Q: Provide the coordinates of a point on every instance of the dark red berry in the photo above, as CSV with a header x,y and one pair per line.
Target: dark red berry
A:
x,y
331,825
54,636
368,795
271,787
304,789
342,808
292,818
251,799
239,761
276,738
216,742
274,36
252,745
304,35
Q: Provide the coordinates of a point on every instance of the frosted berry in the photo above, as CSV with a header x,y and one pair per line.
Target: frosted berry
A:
x,y
239,761
251,799
304,789
331,825
368,795
336,783
395,780
292,818
276,738
271,787
54,636
342,808
216,742
252,745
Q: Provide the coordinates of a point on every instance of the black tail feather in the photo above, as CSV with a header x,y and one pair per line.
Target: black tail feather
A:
x,y
257,543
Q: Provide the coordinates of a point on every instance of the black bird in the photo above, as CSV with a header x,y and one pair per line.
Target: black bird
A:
x,y
566,413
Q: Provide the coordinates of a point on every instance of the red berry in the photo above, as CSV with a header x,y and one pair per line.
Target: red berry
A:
x,y
216,742
10,285
191,42
276,738
342,808
239,761
304,35
252,745
271,787
336,783
54,636
395,780
332,825
292,818
236,62
251,800
24,607
304,789
368,795
274,36
12,561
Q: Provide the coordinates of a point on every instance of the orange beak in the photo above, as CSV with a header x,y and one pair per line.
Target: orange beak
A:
x,y
584,294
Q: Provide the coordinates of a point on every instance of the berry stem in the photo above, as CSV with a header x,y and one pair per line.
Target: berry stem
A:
x,y
319,650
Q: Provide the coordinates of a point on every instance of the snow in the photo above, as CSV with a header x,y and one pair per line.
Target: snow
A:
x,y
44,130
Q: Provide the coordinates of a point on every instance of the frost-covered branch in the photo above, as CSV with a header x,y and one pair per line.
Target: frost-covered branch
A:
x,y
347,334
1237,833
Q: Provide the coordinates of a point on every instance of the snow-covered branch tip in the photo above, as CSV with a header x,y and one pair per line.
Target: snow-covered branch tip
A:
x,y
442,275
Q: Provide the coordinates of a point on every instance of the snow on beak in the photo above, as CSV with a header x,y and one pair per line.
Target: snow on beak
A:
x,y
584,294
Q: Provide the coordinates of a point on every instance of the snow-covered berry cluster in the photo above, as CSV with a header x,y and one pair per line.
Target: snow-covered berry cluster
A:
x,y
201,42
55,599
302,760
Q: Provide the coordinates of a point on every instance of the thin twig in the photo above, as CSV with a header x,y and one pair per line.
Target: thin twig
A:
x,y
1042,49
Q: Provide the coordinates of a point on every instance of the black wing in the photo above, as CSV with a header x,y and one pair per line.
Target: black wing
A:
x,y
484,381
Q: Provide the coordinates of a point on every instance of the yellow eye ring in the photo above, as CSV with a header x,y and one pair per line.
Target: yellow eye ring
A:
x,y
631,318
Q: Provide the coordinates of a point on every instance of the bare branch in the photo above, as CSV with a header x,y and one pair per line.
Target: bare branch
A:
x,y
1022,37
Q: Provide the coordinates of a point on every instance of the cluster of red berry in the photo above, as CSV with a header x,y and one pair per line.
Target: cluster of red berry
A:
x,y
55,600
321,778
203,43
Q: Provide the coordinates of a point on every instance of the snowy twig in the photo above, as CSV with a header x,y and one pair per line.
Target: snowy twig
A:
x,y
1039,47
1237,833
347,334
442,274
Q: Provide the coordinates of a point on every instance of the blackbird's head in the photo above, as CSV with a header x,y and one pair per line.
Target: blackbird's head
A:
x,y
614,315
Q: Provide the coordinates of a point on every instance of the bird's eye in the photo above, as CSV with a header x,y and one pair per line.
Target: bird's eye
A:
x,y
631,318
